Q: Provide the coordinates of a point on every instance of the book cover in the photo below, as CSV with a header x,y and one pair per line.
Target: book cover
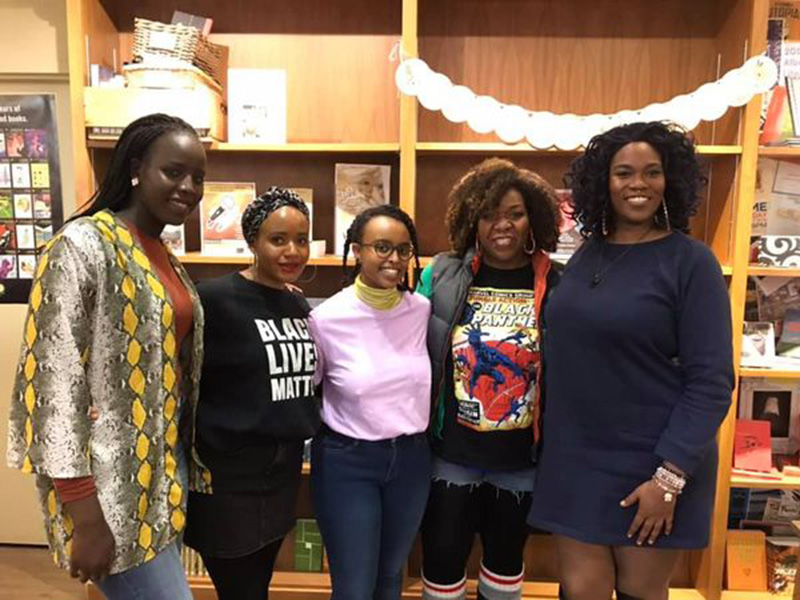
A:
x,y
778,123
358,187
569,238
257,106
6,206
782,552
758,344
174,237
26,266
307,196
752,446
20,175
23,206
308,548
221,218
747,561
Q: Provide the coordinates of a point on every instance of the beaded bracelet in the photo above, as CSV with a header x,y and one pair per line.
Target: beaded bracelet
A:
x,y
671,483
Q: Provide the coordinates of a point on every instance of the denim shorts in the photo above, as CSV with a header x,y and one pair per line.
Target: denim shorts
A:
x,y
516,480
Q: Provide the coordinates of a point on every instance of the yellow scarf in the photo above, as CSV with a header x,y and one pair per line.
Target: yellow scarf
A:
x,y
377,298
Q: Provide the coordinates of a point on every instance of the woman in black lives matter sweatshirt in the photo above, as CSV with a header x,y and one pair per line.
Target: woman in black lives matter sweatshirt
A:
x,y
257,404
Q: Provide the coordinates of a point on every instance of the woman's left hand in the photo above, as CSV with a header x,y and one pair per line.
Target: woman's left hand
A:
x,y
654,515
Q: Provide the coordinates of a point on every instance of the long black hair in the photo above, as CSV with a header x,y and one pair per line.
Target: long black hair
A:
x,y
115,191
588,175
355,235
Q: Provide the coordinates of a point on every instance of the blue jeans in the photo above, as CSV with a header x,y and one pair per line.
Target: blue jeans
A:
x,y
369,498
162,578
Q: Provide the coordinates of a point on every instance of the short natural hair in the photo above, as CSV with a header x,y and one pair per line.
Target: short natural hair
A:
x,y
355,235
481,190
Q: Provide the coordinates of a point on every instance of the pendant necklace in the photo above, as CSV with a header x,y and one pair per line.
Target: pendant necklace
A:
x,y
600,271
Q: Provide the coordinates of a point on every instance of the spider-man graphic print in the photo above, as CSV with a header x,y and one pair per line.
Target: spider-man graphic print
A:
x,y
495,353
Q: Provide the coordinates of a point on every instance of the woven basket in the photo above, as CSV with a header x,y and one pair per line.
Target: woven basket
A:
x,y
179,42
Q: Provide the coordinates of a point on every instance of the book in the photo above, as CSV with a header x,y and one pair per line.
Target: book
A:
x,y
746,561
307,196
569,236
221,218
782,552
202,24
174,237
752,447
257,106
776,210
307,546
358,187
758,344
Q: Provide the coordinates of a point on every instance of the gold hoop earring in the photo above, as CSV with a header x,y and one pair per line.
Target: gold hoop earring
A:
x,y
533,245
310,279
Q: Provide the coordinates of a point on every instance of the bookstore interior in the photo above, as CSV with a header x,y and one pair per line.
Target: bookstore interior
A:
x,y
347,106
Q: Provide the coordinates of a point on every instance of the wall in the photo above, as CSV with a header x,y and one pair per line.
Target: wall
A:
x,y
33,59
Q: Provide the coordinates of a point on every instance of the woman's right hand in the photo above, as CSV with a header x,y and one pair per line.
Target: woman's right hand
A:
x,y
92,541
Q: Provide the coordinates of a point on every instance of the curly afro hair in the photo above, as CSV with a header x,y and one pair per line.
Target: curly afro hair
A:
x,y
588,175
481,190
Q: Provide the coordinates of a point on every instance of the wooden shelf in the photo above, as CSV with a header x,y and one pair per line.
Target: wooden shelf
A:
x,y
309,148
329,260
491,147
770,373
757,271
756,483
731,595
778,152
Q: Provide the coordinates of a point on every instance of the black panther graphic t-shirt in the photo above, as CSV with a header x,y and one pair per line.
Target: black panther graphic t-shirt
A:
x,y
257,400
492,368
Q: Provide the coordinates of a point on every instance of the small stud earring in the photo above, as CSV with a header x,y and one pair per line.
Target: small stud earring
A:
x,y
134,181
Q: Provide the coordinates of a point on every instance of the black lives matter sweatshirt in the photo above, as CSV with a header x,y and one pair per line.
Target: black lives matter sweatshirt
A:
x,y
257,399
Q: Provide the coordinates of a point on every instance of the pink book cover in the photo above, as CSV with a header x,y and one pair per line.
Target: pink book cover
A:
x,y
752,446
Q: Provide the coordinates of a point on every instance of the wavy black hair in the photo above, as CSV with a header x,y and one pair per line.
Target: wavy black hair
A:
x,y
115,191
588,175
481,190
355,235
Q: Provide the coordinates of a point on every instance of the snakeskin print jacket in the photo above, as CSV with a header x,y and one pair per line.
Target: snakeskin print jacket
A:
x,y
100,332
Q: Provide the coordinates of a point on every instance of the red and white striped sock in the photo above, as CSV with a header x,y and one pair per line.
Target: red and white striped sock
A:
x,y
449,591
500,587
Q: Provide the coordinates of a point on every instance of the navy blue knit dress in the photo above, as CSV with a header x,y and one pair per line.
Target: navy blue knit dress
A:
x,y
638,370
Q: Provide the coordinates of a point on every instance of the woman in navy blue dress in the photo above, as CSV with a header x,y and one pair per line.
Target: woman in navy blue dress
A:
x,y
638,371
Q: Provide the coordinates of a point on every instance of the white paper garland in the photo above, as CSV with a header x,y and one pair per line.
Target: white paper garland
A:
x,y
541,129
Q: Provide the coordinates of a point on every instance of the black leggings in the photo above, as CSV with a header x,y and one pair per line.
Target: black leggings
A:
x,y
245,577
453,516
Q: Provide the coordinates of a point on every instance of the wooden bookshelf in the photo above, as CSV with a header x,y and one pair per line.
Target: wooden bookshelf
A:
x,y
778,152
770,373
329,260
480,148
759,483
757,271
324,148
344,107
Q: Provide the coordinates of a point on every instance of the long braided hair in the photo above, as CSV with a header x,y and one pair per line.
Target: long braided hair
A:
x,y
114,192
355,235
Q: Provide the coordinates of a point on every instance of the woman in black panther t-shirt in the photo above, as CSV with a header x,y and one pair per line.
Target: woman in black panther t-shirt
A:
x,y
257,402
